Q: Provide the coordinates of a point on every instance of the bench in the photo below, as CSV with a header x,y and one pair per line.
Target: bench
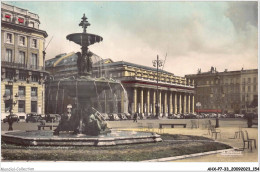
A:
x,y
43,126
172,125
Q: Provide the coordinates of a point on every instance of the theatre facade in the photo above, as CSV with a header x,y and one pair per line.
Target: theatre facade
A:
x,y
175,93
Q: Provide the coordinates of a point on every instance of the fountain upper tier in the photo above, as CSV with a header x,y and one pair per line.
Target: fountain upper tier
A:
x,y
84,39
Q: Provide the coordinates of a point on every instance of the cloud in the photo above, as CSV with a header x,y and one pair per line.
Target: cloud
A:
x,y
243,14
193,34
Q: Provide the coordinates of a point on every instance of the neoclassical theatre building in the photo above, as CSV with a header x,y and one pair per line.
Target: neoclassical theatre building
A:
x,y
176,94
22,62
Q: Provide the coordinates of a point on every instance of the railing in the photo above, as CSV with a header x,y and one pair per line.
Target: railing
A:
x,y
19,10
21,65
33,15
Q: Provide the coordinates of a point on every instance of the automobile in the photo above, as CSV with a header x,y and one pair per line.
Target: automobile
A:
x,y
190,116
105,116
206,115
199,116
114,117
239,115
171,116
33,117
213,115
52,117
230,115
13,116
122,116
223,116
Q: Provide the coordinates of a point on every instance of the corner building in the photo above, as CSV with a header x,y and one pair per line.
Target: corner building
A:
x,y
226,92
22,61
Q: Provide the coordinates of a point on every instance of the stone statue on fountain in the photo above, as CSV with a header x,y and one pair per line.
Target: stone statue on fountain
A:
x,y
86,120
84,63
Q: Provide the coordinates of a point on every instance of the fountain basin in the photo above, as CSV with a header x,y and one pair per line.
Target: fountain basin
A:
x,y
46,138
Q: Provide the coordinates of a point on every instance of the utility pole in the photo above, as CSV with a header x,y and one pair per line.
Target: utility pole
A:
x,y
157,63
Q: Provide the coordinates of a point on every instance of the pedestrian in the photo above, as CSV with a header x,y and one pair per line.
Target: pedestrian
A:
x,y
10,122
135,117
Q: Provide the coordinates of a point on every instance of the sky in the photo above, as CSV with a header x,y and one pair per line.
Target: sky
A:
x,y
187,35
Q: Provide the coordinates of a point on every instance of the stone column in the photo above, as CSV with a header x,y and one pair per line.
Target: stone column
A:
x,y
175,103
135,100
165,104
154,101
148,102
180,109
188,103
170,104
184,103
122,101
192,104
142,101
160,102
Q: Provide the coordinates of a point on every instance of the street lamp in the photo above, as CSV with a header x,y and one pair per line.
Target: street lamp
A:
x,y
198,104
246,103
218,102
9,99
157,63
223,103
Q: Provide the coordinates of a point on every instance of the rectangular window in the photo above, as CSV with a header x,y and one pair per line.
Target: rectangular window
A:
x,y
34,43
34,61
8,92
34,91
249,88
22,75
21,106
254,88
244,80
9,74
35,78
254,79
243,88
226,81
249,80
22,40
9,38
9,55
21,91
21,57
34,106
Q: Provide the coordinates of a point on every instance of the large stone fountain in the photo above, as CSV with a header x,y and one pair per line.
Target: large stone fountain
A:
x,y
81,88
85,125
